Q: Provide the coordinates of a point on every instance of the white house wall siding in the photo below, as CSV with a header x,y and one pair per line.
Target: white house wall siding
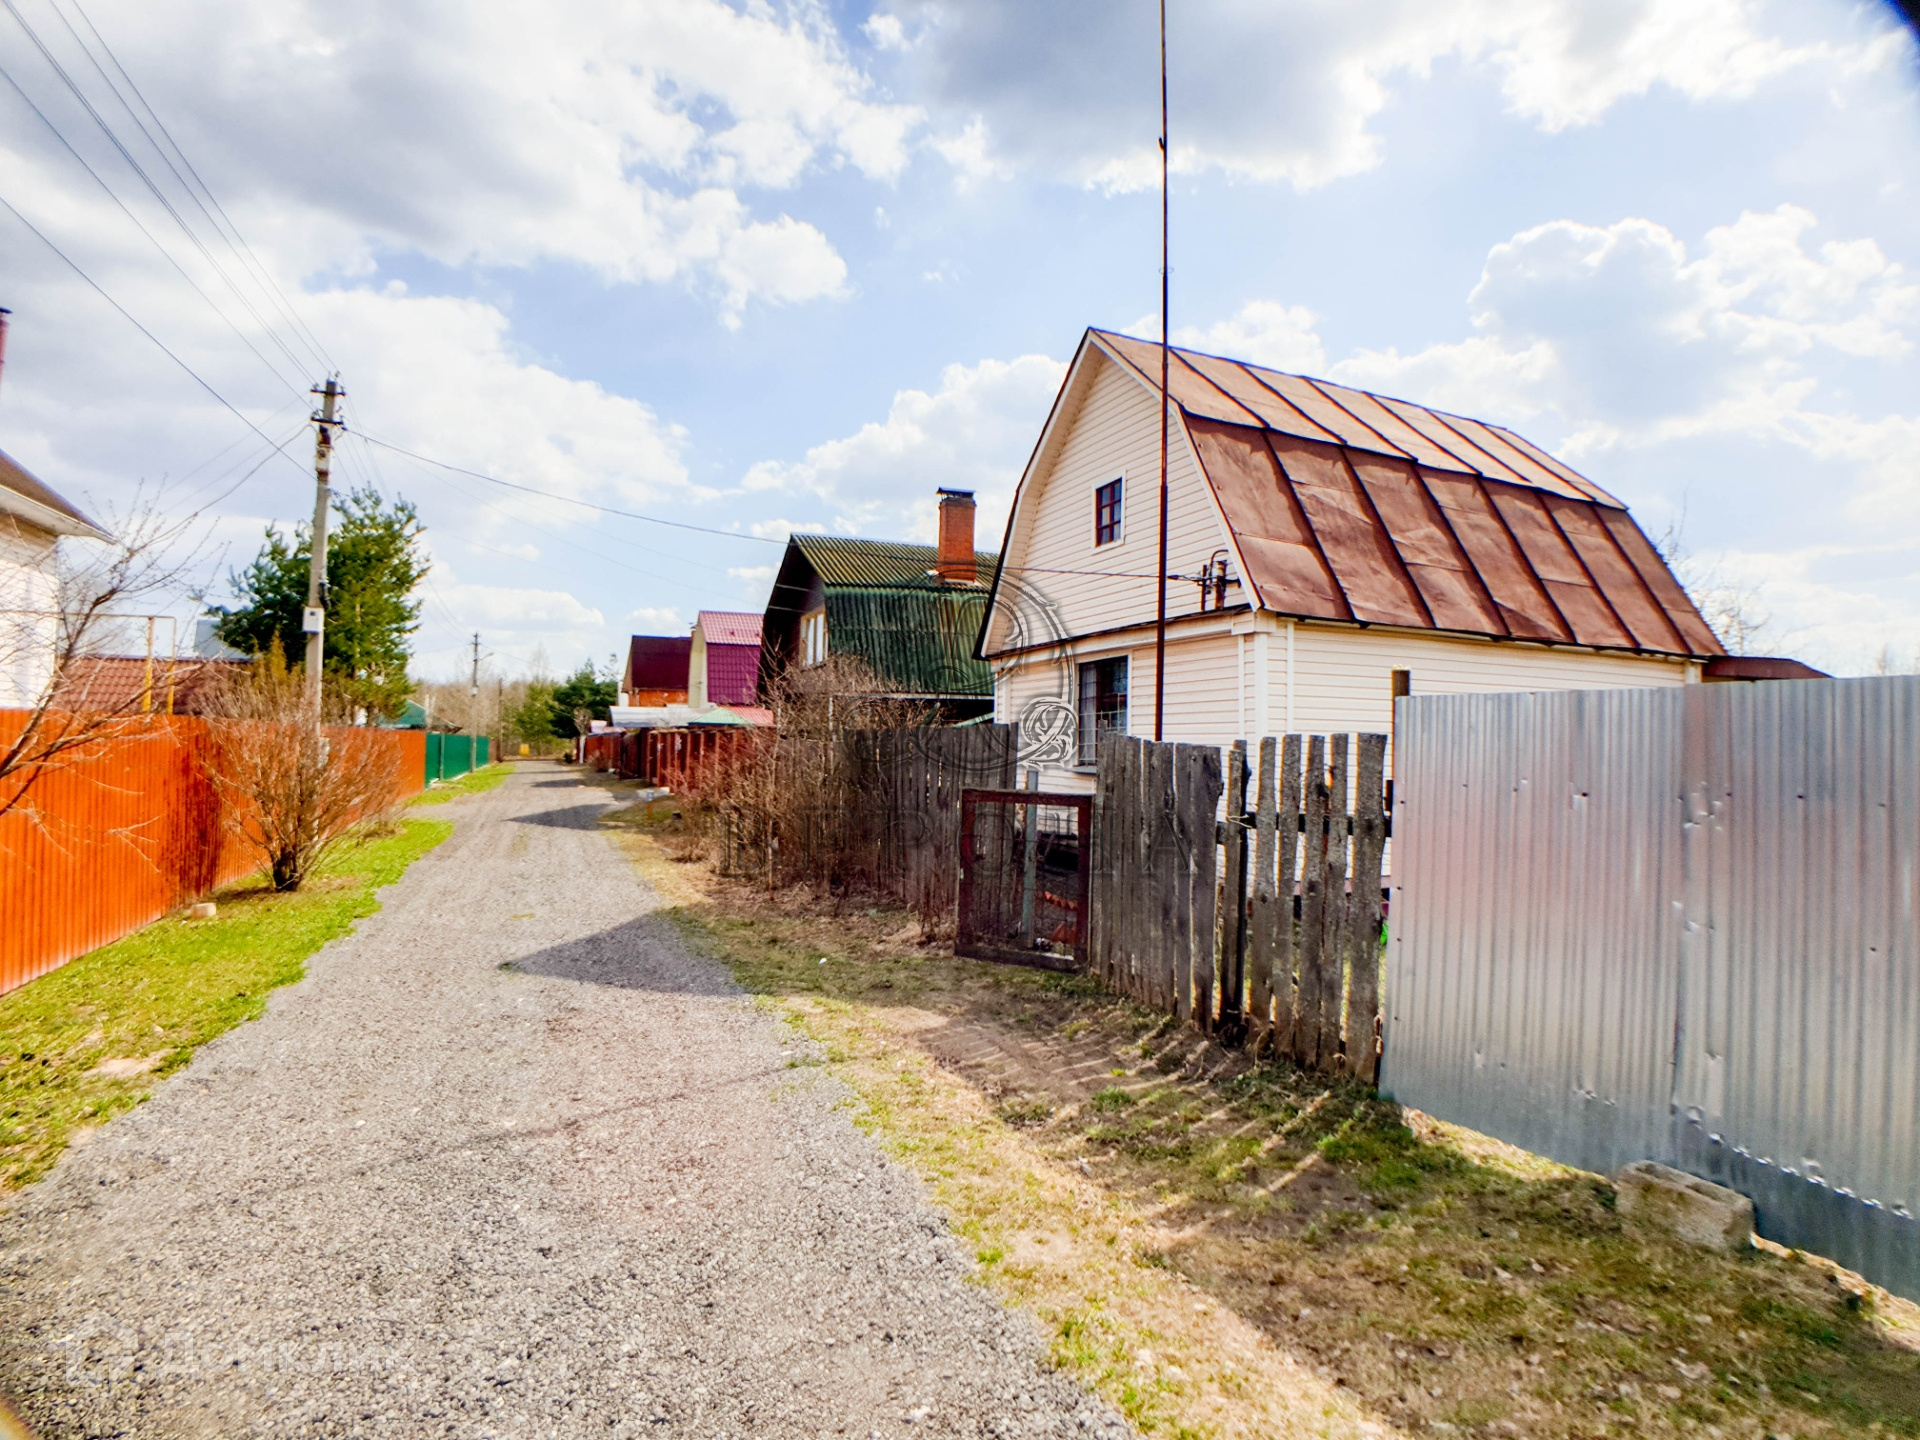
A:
x,y
1109,429
29,583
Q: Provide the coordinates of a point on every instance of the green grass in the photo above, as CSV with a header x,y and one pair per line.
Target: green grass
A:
x,y
474,782
156,996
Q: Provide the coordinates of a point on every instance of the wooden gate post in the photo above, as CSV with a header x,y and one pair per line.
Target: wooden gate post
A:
x,y
1233,895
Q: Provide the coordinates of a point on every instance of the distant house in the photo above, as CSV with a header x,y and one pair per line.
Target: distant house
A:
x,y
656,670
141,684
1331,548
33,518
910,613
724,665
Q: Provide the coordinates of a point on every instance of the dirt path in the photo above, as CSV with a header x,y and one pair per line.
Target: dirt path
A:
x,y
509,1162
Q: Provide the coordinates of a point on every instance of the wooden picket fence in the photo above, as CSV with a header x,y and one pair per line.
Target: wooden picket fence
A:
x,y
1264,926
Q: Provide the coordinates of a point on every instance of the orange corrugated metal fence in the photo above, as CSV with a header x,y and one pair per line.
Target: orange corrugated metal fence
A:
x,y
118,834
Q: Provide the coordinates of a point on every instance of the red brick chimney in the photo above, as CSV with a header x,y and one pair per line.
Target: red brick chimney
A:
x,y
955,562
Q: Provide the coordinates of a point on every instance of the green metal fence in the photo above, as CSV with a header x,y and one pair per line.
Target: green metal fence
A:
x,y
451,756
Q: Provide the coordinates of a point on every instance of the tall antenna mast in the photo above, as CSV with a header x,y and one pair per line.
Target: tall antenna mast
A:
x,y
1160,622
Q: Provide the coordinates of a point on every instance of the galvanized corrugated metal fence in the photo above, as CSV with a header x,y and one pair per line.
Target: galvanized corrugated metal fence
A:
x,y
1679,925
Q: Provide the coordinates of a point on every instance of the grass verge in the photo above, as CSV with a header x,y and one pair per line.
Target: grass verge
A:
x,y
474,782
88,1041
1229,1250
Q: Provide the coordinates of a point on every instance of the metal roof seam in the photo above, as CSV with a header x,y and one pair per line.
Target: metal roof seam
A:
x,y
1306,520
1503,472
1321,390
1393,544
1460,548
1680,640
1587,570
1566,626
1199,375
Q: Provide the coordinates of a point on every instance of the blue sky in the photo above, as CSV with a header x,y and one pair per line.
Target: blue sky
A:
x,y
761,265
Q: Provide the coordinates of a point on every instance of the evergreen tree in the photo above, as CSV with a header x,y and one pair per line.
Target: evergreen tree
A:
x,y
582,694
374,564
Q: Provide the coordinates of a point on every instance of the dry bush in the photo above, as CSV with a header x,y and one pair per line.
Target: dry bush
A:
x,y
793,809
292,790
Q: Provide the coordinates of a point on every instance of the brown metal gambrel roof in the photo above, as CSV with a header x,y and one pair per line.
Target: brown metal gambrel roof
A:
x,y
1352,506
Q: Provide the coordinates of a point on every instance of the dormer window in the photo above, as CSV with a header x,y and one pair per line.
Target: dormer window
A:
x,y
1106,513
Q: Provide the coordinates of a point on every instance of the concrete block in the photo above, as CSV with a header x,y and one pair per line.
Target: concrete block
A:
x,y
205,910
1694,1210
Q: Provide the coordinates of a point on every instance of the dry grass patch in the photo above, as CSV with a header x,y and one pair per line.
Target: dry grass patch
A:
x,y
1232,1250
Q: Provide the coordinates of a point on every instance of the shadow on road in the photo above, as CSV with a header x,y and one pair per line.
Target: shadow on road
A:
x,y
646,953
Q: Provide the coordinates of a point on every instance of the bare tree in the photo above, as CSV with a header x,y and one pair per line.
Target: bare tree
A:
x,y
292,793
59,617
1735,610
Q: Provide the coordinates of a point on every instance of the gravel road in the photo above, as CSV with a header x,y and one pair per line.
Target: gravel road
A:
x,y
509,1162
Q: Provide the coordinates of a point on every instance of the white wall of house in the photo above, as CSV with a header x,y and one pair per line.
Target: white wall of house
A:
x,y
29,594
697,670
1109,429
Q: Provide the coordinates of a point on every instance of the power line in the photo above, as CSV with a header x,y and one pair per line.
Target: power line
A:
x,y
549,495
138,224
231,234
74,265
113,138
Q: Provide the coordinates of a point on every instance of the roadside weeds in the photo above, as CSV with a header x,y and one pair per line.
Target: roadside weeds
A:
x,y
474,782
1227,1249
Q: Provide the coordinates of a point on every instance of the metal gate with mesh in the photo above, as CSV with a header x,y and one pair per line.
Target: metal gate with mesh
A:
x,y
1025,858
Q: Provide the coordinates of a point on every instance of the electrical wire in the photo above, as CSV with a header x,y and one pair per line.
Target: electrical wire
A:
x,y
100,180
140,170
235,240
549,495
74,265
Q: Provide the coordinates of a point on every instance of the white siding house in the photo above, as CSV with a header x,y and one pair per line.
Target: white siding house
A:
x,y
32,520
1323,539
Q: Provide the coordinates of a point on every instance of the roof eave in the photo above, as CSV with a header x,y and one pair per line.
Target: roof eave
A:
x,y
46,517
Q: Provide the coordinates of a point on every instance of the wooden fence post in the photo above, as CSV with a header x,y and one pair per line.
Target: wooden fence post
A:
x,y
1333,952
1233,894
1369,840
1313,903
1264,925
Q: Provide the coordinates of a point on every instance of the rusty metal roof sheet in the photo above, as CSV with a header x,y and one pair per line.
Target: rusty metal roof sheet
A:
x,y
1352,506
1337,533
1215,388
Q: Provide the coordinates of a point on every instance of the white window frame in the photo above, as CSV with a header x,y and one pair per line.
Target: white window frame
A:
x,y
813,638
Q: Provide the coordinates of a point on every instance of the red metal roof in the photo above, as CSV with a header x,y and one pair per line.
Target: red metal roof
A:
x,y
658,662
1350,506
727,627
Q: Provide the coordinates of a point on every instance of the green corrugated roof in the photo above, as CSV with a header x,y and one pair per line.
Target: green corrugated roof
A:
x,y
919,641
881,562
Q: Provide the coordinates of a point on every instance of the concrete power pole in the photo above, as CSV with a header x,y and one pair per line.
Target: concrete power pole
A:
x,y
315,619
473,690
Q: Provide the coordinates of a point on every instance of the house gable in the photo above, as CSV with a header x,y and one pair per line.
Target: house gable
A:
x,y
1328,504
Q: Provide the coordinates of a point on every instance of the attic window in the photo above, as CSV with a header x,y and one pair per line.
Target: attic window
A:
x,y
813,638
1106,513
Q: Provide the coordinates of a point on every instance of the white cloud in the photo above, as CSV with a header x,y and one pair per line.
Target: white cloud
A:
x,y
1289,91
658,619
974,433
501,133
1281,337
1663,371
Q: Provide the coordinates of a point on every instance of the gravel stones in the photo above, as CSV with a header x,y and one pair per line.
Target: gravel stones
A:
x,y
509,1162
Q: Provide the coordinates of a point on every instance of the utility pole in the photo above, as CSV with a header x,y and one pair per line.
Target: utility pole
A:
x,y
315,620
473,690
1160,618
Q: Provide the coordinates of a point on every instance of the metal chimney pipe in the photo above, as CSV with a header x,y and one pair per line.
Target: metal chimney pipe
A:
x,y
4,313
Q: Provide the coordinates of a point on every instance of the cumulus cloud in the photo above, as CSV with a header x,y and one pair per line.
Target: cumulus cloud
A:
x,y
629,140
1667,369
973,433
1289,91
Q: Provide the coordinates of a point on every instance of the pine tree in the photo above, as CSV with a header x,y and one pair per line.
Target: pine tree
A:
x,y
374,565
